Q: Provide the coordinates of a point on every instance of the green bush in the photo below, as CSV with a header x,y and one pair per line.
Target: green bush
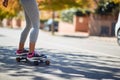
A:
x,y
67,15
82,13
106,8
43,21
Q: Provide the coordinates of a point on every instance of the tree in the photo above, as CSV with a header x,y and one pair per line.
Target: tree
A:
x,y
11,11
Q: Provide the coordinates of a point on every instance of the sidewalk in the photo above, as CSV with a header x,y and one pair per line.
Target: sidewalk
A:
x,y
86,35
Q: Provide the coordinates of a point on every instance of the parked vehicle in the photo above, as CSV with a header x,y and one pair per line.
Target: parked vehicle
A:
x,y
117,29
49,23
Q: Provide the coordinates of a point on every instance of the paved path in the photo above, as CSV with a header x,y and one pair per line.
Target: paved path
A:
x,y
65,64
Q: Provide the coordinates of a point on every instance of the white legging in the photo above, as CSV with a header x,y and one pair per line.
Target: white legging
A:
x,y
32,20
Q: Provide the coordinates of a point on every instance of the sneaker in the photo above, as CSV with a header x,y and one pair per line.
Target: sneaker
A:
x,y
21,52
35,56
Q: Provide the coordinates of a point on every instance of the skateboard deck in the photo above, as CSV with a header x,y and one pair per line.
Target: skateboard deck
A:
x,y
35,61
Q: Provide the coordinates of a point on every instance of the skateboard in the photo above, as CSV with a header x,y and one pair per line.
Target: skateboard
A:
x,y
42,59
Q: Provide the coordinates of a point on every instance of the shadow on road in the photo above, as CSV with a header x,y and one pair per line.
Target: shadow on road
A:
x,y
64,65
70,36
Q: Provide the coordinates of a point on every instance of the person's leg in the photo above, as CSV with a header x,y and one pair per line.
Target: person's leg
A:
x,y
25,32
33,13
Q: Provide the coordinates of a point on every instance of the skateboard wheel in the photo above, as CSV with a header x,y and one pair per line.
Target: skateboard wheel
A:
x,y
36,63
18,59
47,62
26,60
41,61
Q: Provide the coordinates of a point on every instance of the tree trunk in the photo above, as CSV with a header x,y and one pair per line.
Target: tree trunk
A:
x,y
52,27
1,25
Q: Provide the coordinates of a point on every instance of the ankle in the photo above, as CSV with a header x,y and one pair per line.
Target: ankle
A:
x,y
20,49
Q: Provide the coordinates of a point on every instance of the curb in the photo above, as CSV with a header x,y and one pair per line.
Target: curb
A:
x,y
106,39
86,35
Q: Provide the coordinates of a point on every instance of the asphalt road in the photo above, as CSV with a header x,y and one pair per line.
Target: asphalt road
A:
x,y
81,58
